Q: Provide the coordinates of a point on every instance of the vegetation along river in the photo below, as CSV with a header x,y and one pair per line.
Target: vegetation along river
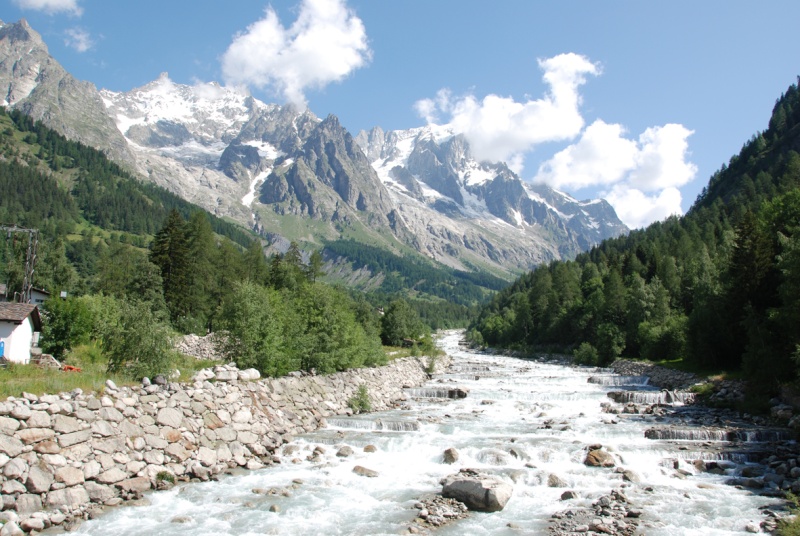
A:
x,y
529,422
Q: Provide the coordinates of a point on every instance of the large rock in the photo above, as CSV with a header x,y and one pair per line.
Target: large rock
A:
x,y
450,455
8,425
10,445
98,492
170,417
363,471
28,503
72,497
66,425
39,479
34,435
484,493
69,476
67,440
597,457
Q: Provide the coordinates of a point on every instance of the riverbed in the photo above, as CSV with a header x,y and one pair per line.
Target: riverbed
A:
x,y
527,421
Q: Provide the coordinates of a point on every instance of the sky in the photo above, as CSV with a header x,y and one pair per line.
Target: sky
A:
x,y
637,102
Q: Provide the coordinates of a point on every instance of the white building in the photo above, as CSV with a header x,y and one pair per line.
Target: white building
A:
x,y
20,324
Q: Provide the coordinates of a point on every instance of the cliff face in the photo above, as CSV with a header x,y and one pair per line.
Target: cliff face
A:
x,y
31,80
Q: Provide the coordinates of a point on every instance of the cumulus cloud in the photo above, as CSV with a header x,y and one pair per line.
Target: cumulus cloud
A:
x,y
78,39
640,178
637,209
51,6
325,44
502,129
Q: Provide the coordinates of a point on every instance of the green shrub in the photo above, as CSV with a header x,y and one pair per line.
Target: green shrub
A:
x,y
141,345
360,402
586,354
791,527
165,476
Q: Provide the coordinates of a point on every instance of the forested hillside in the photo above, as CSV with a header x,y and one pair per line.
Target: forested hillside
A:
x,y
719,287
139,264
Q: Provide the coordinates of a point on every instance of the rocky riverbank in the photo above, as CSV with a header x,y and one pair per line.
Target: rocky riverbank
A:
x,y
67,457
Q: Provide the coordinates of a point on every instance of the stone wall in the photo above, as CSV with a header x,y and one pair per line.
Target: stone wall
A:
x,y
65,457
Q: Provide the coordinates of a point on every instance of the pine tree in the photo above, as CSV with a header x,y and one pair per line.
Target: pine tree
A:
x,y
170,252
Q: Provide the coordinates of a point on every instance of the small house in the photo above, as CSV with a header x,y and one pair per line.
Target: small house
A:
x,y
20,325
39,296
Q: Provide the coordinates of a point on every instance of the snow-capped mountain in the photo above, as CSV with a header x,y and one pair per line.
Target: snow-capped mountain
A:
x,y
283,171
432,169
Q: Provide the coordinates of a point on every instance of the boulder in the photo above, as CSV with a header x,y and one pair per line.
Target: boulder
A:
x,y
34,435
69,476
139,484
27,503
10,446
39,479
450,456
555,481
170,417
66,425
344,452
363,471
8,425
597,457
481,492
71,497
250,374
67,440
11,529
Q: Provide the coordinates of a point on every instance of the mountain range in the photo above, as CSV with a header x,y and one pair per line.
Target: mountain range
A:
x,y
289,175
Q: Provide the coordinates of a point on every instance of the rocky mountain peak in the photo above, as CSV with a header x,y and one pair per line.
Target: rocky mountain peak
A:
x,y
281,166
21,31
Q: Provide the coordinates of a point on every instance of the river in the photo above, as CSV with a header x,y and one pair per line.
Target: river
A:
x,y
521,418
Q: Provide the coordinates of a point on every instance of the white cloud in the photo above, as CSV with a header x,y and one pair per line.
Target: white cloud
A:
x,y
639,178
78,39
602,156
325,44
502,129
636,209
51,6
661,162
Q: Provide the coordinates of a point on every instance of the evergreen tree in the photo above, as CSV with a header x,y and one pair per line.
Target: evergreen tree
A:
x,y
170,252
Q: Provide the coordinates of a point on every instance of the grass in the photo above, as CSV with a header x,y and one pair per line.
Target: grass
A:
x,y
17,379
685,365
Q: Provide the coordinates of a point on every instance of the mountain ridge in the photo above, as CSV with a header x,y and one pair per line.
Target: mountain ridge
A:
x,y
278,169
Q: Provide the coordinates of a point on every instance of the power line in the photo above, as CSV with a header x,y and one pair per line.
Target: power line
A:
x,y
30,258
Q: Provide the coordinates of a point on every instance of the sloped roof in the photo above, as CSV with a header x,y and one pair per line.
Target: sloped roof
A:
x,y
18,312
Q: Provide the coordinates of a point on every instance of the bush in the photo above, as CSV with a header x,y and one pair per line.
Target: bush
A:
x,y
66,323
165,476
141,345
401,321
360,402
586,354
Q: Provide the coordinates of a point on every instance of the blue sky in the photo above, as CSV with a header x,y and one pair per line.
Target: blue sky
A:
x,y
645,100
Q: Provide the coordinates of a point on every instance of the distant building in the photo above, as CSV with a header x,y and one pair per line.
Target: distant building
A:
x,y
20,325
39,296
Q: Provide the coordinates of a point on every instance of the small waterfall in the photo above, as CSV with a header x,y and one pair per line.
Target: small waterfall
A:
x,y
437,392
687,434
634,381
717,434
376,424
661,398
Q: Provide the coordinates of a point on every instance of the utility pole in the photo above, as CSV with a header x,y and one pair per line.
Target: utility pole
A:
x,y
30,257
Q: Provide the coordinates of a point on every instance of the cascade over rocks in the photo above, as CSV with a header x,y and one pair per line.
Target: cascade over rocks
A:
x,y
64,457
